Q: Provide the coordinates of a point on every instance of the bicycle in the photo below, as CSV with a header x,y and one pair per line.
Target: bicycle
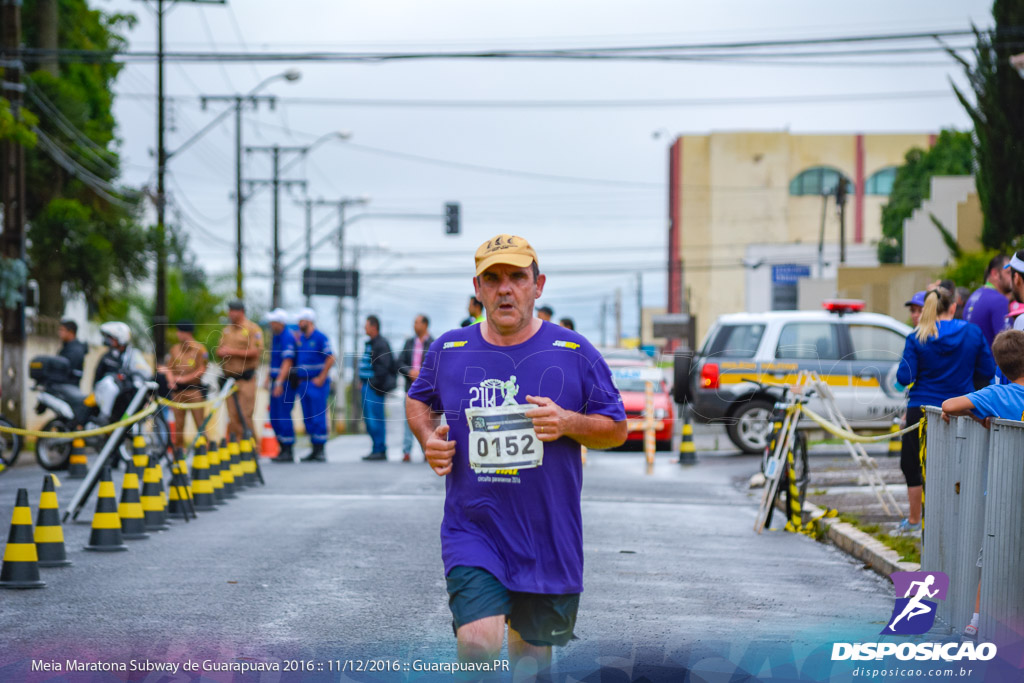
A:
x,y
10,446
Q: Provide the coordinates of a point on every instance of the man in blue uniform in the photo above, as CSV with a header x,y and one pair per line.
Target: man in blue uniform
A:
x,y
313,360
282,393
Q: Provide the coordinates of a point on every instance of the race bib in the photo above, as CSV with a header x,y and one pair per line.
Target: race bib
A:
x,y
502,438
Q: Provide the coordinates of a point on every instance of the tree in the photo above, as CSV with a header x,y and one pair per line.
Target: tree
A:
x,y
998,116
950,155
84,228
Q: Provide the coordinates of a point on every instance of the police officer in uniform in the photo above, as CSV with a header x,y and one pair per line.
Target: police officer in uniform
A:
x,y
241,345
183,369
313,360
282,393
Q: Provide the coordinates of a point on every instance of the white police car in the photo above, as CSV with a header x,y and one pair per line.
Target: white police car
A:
x,y
855,352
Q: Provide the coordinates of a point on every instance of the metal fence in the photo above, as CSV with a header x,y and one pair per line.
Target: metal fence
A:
x,y
975,502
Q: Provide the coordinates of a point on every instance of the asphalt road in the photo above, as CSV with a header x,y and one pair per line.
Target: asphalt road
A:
x,y
341,561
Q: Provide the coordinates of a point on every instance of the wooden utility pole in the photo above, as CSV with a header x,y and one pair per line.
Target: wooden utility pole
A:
x,y
12,236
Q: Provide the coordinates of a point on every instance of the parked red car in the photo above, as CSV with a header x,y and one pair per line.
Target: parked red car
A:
x,y
631,379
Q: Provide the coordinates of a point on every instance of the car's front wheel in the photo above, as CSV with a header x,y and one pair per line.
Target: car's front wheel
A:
x,y
751,426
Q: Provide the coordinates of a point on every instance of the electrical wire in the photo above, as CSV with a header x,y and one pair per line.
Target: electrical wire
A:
x,y
98,185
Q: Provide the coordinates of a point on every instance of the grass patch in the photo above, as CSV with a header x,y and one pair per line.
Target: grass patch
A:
x,y
908,547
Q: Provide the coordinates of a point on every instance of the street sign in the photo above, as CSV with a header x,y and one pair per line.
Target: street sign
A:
x,y
330,282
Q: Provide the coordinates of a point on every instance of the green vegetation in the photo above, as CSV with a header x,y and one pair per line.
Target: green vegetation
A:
x,y
968,269
998,115
908,547
951,155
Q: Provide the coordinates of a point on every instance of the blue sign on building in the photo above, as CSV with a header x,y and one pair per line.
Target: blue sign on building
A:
x,y
789,273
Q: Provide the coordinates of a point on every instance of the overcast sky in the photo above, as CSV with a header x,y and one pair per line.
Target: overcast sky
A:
x,y
606,212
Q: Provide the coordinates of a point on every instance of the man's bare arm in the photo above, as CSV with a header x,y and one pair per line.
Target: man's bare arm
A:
x,y
432,435
552,422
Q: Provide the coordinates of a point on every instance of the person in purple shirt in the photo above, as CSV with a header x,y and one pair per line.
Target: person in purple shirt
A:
x,y
519,396
988,305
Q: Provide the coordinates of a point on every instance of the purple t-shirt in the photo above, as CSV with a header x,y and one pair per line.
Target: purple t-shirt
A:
x,y
524,526
987,309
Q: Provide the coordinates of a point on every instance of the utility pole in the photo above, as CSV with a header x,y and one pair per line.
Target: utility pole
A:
x,y
640,309
821,237
618,316
12,196
307,205
237,102
604,321
841,206
160,306
276,182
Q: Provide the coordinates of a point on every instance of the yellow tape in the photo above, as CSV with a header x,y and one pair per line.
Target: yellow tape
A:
x,y
835,430
141,415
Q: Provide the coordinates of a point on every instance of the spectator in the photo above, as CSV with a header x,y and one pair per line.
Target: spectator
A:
x,y
72,349
545,313
915,305
410,360
962,295
988,305
1016,270
375,373
476,312
568,324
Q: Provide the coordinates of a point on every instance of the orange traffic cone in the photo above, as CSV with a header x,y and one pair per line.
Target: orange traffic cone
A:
x,y
269,448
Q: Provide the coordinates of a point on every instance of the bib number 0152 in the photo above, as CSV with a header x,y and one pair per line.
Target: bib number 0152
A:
x,y
503,438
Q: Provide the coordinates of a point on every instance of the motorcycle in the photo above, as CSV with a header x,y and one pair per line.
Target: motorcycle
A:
x,y
76,410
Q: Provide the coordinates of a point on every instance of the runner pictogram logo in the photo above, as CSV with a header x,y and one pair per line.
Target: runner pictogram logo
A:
x,y
914,611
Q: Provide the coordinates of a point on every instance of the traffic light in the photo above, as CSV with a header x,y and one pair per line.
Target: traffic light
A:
x,y
451,218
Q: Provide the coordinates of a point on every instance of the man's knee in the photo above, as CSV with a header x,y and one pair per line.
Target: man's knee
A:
x,y
481,640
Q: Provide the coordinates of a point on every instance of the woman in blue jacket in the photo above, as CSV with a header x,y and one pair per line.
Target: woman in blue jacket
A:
x,y
941,358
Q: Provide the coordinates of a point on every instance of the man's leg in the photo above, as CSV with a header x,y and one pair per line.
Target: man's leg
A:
x,y
375,420
480,640
527,660
178,437
247,397
234,424
407,437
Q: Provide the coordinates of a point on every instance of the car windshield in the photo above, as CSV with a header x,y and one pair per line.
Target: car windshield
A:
x,y
632,384
735,341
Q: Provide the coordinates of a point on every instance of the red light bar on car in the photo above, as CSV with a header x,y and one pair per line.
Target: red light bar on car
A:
x,y
843,305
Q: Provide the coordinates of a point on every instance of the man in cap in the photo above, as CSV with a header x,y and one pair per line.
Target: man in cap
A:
x,y
915,305
183,370
988,305
313,361
520,398
282,393
240,349
1016,271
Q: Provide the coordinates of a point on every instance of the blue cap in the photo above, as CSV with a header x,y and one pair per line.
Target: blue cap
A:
x,y
917,300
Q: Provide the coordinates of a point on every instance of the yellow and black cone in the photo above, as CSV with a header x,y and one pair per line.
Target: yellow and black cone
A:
x,y
254,453
235,458
106,523
21,562
202,487
177,492
895,444
49,534
78,465
133,522
213,456
154,510
235,455
687,449
140,458
227,475
248,461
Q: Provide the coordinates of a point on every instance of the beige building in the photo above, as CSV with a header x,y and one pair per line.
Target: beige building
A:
x,y
730,191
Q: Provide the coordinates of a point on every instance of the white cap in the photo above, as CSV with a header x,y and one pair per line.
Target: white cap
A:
x,y
307,314
278,315
1016,263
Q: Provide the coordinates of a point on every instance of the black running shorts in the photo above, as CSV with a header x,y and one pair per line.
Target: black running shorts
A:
x,y
540,619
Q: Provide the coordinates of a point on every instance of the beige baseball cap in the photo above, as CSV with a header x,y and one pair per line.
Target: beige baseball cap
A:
x,y
509,249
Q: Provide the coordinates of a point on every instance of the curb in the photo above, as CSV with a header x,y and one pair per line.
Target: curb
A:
x,y
855,543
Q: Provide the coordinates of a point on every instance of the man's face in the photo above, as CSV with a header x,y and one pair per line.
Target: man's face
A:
x,y
473,309
419,326
508,295
1004,281
182,336
371,330
1018,285
236,317
65,334
915,314
306,326
277,328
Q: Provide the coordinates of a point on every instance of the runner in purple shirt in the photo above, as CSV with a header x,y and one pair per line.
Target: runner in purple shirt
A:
x,y
988,305
519,396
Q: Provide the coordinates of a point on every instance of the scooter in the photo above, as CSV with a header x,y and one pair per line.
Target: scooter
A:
x,y
76,410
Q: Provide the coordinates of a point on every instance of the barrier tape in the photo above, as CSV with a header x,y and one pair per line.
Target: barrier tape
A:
x,y
137,417
193,406
850,436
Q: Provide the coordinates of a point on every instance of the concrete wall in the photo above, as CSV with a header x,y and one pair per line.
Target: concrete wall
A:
x,y
923,244
734,190
885,288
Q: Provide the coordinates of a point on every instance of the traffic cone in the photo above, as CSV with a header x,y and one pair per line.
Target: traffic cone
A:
x,y
687,449
248,461
133,525
78,465
177,494
21,561
202,487
213,457
895,445
49,534
172,425
106,523
227,474
154,510
235,460
269,447
140,458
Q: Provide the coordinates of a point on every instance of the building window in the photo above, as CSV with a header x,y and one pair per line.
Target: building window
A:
x,y
880,183
818,181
